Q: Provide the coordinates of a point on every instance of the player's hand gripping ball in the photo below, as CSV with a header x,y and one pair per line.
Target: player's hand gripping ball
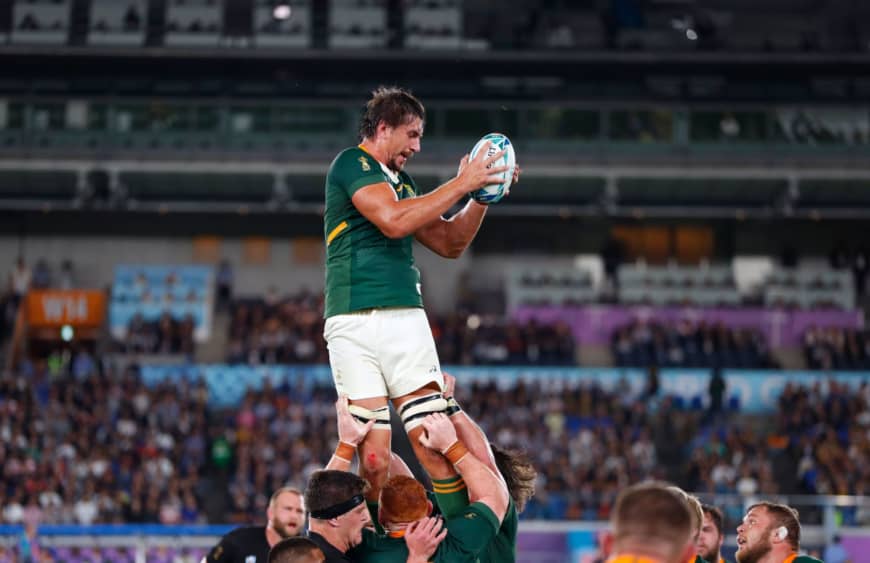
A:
x,y
495,192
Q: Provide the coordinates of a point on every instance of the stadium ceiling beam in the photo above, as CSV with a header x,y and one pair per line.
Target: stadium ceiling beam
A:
x,y
246,209
530,169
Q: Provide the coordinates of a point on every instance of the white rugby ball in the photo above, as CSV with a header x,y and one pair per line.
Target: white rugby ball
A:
x,y
495,192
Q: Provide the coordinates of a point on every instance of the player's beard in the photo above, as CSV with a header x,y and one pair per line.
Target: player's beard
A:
x,y
754,553
284,530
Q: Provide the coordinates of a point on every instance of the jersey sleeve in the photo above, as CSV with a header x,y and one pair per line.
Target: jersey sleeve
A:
x,y
223,552
468,534
354,169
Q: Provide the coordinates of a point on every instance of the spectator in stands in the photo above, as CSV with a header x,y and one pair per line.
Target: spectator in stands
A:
x,y
113,449
41,275
687,344
716,388
19,279
224,281
67,277
835,552
837,349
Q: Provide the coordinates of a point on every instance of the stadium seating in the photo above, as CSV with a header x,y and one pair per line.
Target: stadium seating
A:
x,y
689,344
570,286
357,24
810,288
40,22
433,24
704,286
117,22
585,429
294,31
145,293
193,23
287,330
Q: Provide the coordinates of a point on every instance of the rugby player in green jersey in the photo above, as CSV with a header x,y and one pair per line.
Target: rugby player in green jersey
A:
x,y
339,516
514,468
379,340
403,501
770,533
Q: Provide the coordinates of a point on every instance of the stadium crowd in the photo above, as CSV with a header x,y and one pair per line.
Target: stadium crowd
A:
x,y
689,344
166,335
837,349
81,442
277,330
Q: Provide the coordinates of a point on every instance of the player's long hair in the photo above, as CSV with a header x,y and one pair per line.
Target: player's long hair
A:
x,y
518,472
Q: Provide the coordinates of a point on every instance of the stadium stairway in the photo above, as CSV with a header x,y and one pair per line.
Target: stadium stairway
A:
x,y
215,349
790,358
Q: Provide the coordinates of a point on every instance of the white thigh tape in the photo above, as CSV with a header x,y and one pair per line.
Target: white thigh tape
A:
x,y
381,416
413,412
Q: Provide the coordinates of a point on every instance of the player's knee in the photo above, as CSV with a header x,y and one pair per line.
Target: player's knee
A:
x,y
375,464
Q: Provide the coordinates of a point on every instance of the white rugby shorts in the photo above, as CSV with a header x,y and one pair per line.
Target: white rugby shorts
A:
x,y
382,352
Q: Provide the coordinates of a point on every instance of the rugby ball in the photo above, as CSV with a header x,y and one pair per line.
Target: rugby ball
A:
x,y
495,192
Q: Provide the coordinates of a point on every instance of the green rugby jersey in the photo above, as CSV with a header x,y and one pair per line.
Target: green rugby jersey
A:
x,y
364,268
503,547
467,536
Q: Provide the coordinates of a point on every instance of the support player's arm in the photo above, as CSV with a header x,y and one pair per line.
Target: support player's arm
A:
x,y
350,433
484,486
468,431
398,218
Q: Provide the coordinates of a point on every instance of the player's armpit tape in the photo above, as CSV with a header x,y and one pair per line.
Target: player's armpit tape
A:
x,y
381,416
413,412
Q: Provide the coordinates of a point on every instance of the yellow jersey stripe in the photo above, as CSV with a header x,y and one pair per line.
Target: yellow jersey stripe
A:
x,y
446,490
335,232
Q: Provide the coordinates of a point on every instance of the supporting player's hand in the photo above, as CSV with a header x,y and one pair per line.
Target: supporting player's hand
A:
x,y
480,172
449,385
350,430
423,537
516,178
438,432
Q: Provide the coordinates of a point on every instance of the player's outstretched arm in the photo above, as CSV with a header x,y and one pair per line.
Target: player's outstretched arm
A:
x,y
350,434
468,431
400,218
484,486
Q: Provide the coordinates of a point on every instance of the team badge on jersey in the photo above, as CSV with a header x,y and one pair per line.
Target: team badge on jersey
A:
x,y
251,559
366,167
